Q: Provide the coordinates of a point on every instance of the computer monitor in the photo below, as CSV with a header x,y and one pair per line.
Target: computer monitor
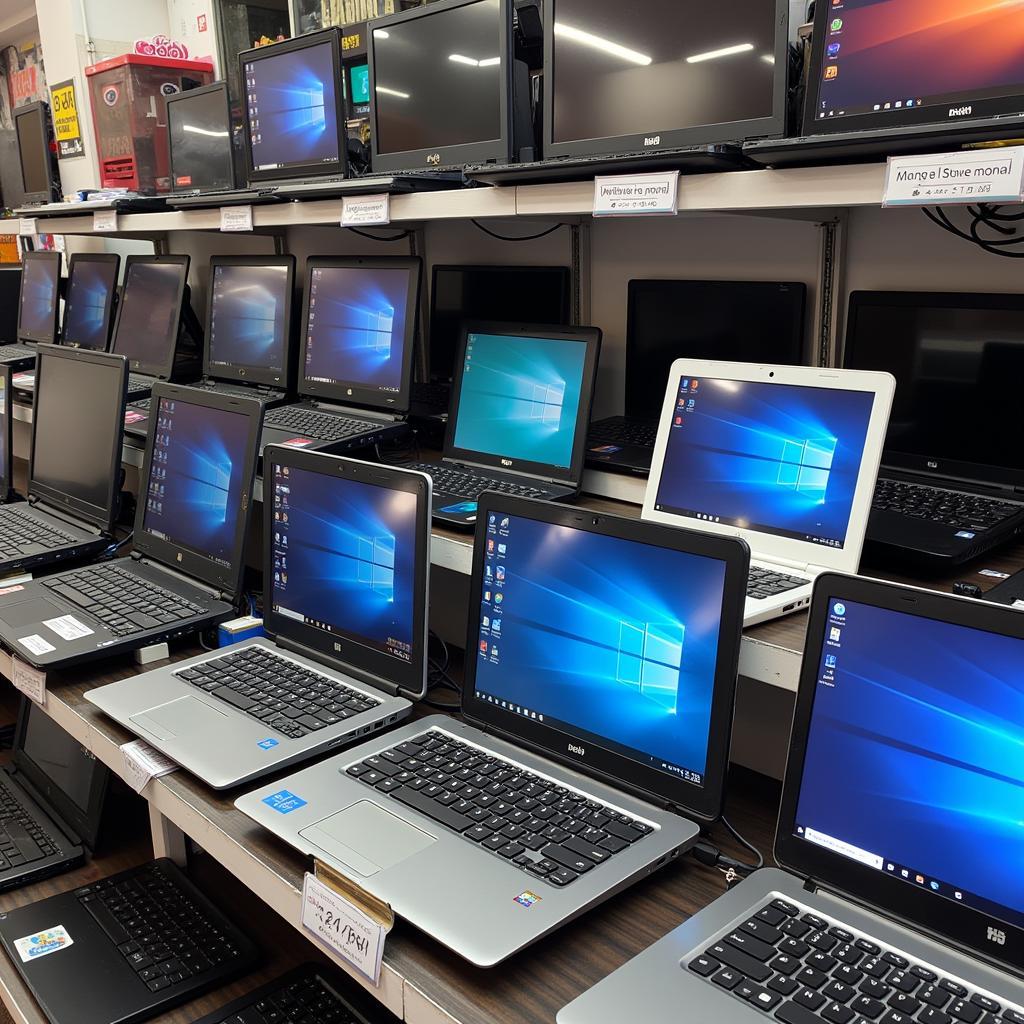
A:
x,y
149,315
91,297
294,115
6,435
201,141
675,73
39,175
735,321
39,302
499,294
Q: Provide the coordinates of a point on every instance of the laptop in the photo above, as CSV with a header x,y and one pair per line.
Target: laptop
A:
x,y
10,302
783,456
951,488
51,794
91,300
7,491
600,673
520,406
355,364
738,321
202,142
898,897
38,308
346,556
184,572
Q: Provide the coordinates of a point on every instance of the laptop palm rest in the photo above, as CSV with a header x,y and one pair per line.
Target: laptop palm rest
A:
x,y
184,716
367,838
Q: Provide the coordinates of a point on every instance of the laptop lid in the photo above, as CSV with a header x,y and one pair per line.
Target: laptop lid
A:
x,y
359,321
70,779
346,564
947,351
200,140
39,302
77,431
521,399
783,456
149,314
607,643
904,783
6,432
89,306
249,332
195,490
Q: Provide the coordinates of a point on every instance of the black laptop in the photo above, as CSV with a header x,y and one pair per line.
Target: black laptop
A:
x,y
91,300
951,485
185,569
7,491
38,308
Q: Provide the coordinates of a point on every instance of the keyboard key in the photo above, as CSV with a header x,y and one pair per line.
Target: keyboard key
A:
x,y
837,1013
810,999
422,803
740,961
704,966
726,978
794,1013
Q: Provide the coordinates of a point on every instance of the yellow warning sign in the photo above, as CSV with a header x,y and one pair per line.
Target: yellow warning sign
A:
x,y
66,129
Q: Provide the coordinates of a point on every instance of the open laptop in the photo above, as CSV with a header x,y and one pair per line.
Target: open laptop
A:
x,y
783,456
355,365
185,569
600,673
91,300
951,487
38,308
899,839
346,556
10,301
520,406
7,491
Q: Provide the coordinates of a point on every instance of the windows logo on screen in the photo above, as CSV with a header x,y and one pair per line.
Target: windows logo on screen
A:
x,y
649,659
376,568
805,466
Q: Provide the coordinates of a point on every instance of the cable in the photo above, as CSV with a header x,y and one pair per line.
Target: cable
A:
x,y
113,549
984,216
380,238
743,842
517,238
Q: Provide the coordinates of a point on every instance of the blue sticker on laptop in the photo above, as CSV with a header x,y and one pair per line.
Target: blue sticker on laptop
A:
x,y
268,744
460,507
284,802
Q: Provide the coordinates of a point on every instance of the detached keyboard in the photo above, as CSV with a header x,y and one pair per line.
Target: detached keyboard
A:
x,y
802,968
965,511
320,426
534,823
22,839
279,692
466,484
23,534
763,582
619,429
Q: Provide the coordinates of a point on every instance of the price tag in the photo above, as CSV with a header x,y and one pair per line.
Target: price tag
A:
x,y
365,211
983,175
630,195
236,218
343,928
30,681
27,226
104,220
142,763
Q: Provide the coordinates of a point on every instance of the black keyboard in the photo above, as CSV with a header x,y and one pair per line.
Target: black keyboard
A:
x,y
434,394
22,839
124,602
546,829
763,582
320,426
16,352
164,927
952,508
468,484
23,534
622,430
802,968
137,383
284,695
142,404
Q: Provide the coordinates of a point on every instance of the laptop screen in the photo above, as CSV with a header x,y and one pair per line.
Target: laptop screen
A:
x,y
248,317
779,459
5,437
58,756
147,324
91,285
913,765
199,137
40,277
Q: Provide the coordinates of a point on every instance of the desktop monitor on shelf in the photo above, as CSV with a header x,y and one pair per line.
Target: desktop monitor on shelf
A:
x,y
201,140
91,300
39,175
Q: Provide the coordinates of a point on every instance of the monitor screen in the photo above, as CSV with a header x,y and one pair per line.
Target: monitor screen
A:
x,y
5,439
734,321
147,324
197,473
58,756
913,764
199,134
356,326
40,280
609,640
91,285
359,84
293,100
772,458
345,558
33,151
684,64
438,78
248,316
520,398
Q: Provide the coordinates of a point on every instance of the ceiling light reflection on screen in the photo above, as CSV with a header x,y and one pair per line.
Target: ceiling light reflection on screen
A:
x,y
725,51
392,92
577,35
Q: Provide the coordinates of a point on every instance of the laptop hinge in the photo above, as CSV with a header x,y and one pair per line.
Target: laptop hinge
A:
x,y
377,682
810,886
366,414
946,482
26,784
185,578
64,517
501,470
790,563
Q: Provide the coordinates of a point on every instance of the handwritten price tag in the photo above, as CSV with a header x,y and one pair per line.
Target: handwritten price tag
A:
x,y
27,226
236,218
104,220
629,195
30,681
365,211
142,763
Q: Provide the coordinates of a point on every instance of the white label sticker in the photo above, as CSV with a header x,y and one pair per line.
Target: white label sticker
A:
x,y
365,211
36,645
52,940
627,195
142,763
67,627
994,574
30,681
27,226
236,218
984,175
104,220
343,928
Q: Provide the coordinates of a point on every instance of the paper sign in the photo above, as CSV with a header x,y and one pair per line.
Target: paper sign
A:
x,y
342,928
236,218
67,627
983,175
34,947
30,681
365,211
66,128
994,574
104,220
27,226
142,763
626,195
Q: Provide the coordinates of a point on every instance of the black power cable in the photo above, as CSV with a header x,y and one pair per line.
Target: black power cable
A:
x,y
517,238
985,217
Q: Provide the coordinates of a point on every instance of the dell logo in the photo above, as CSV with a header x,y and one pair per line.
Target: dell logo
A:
x,y
179,556
932,464
653,140
578,751
506,462
960,111
996,935
433,159
337,647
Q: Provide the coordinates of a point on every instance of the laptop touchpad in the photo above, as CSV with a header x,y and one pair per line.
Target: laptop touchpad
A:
x,y
30,613
182,716
367,838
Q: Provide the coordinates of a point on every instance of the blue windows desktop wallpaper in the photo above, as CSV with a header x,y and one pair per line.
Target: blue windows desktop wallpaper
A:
x,y
89,293
38,297
617,640
247,319
916,752
777,458
520,397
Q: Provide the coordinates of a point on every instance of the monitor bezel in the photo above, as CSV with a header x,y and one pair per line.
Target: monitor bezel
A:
x,y
41,111
43,337
191,94
111,258
7,440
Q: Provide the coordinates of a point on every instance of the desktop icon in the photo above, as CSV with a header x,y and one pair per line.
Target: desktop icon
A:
x,y
834,634
830,662
483,646
837,24
833,49
832,71
839,609
500,573
498,598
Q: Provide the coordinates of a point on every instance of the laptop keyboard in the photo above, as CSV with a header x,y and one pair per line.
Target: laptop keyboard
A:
x,y
552,832
321,426
137,383
124,602
16,352
22,839
467,484
965,511
764,582
284,695
22,534
301,997
621,430
142,403
802,968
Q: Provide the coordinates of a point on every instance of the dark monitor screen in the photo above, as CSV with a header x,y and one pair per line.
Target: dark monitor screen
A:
x,y
199,135
87,309
59,756
248,316
34,150
147,324
736,321
437,78
40,281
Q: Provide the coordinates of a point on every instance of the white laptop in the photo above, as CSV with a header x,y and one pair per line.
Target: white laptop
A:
x,y
783,456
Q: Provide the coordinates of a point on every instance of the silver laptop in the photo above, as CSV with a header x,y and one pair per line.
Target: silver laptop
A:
x,y
785,457
346,563
899,837
600,674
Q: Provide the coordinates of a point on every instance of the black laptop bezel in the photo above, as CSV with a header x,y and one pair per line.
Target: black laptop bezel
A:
x,y
191,94
251,374
7,425
39,110
112,259
571,476
338,652
703,803
44,337
351,393
227,580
